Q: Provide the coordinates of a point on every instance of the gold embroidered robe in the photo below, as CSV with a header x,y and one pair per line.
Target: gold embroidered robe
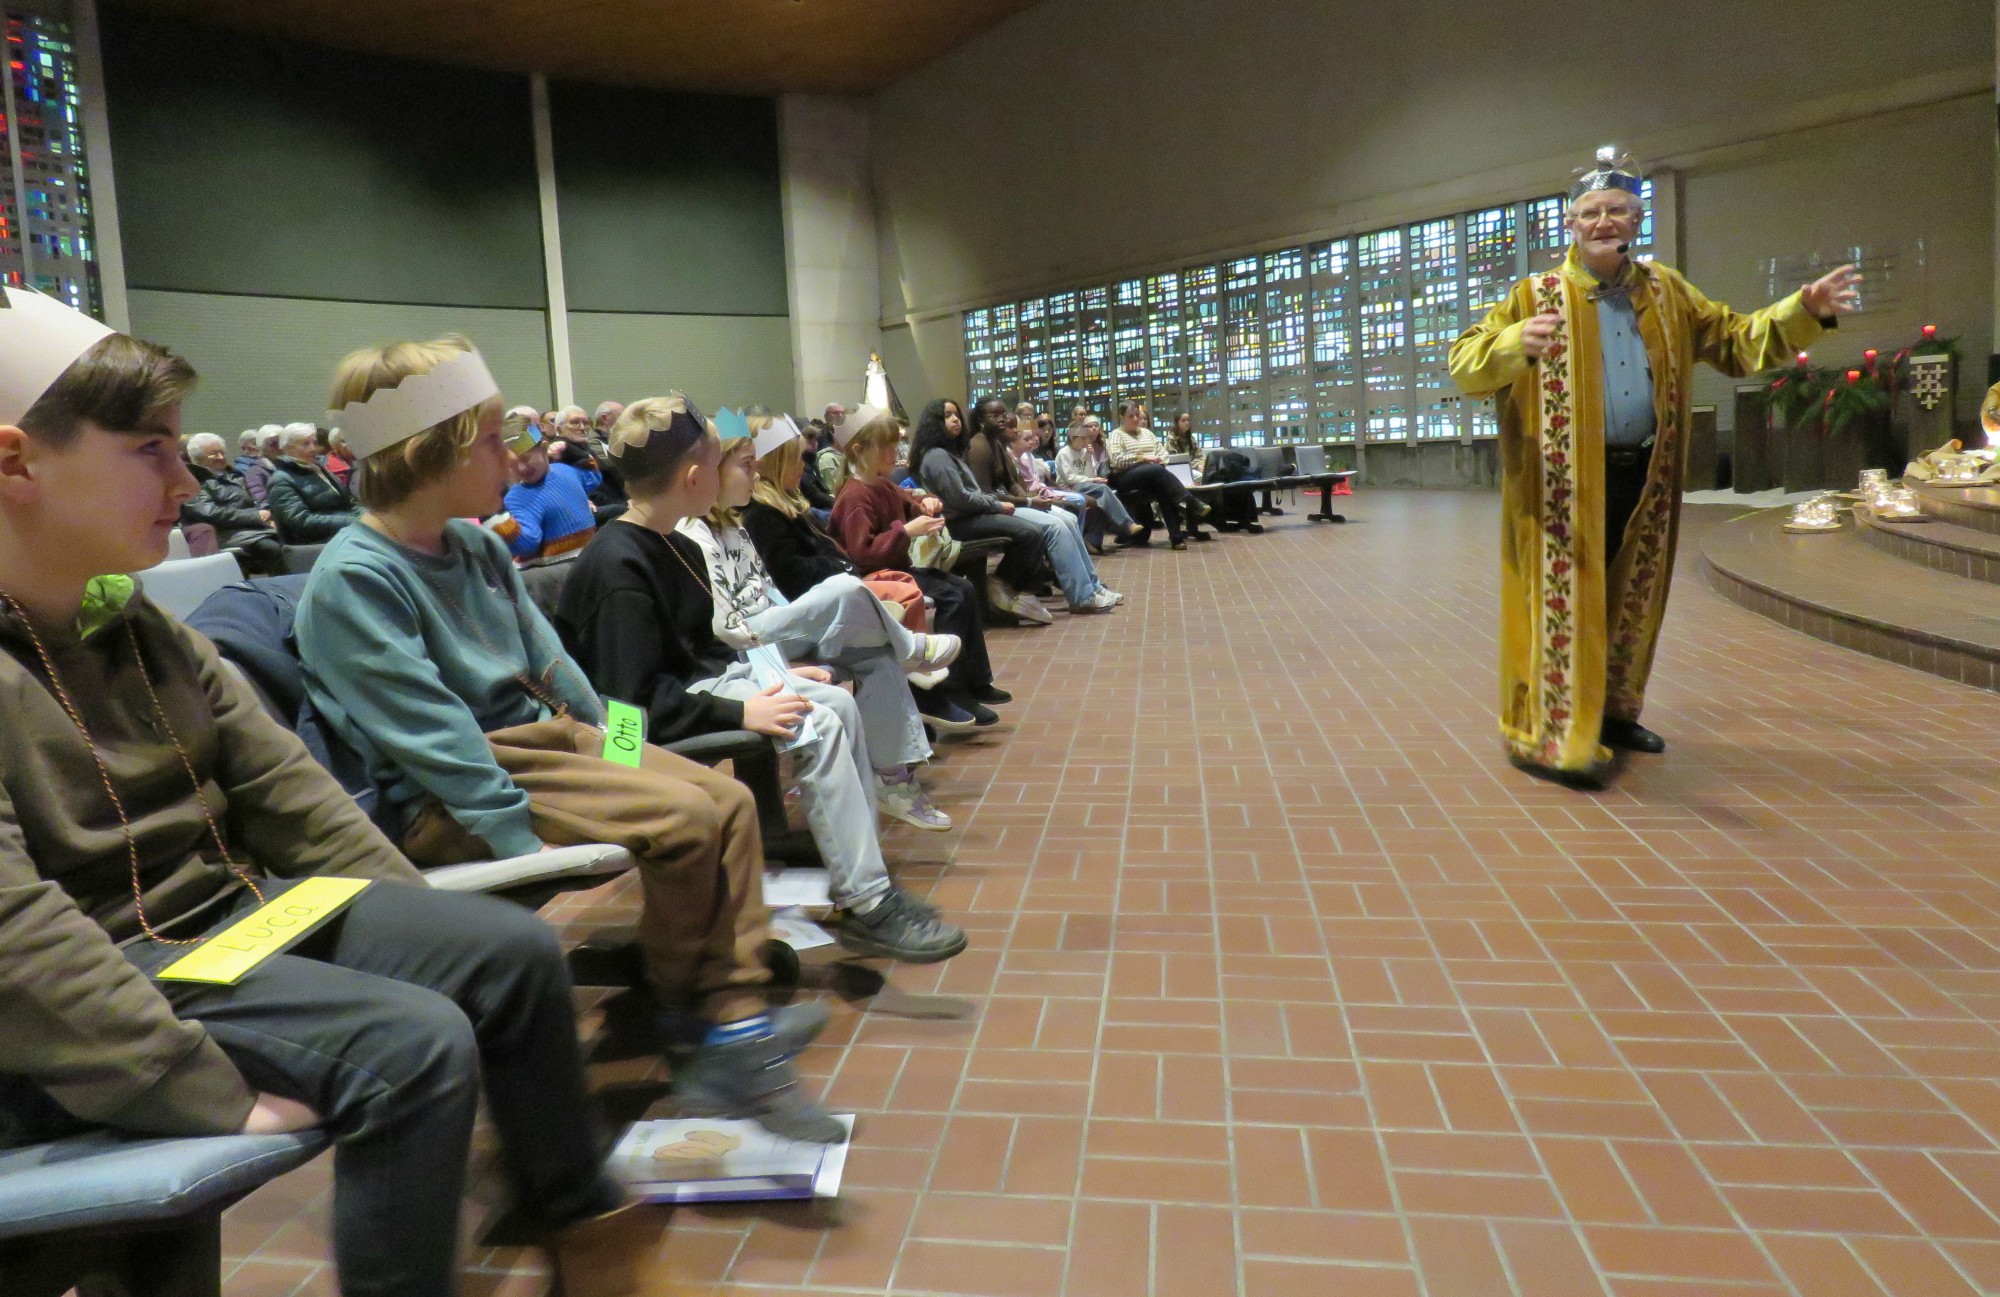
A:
x,y
1574,649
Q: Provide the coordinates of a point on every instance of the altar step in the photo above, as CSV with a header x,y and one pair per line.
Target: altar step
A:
x,y
1939,545
1976,507
1841,588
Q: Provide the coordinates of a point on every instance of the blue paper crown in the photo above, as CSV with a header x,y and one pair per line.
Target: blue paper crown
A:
x,y
731,425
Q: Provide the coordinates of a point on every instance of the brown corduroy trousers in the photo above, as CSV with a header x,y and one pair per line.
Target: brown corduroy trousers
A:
x,y
694,832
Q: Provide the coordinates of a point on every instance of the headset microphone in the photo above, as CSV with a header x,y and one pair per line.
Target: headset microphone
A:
x,y
1624,248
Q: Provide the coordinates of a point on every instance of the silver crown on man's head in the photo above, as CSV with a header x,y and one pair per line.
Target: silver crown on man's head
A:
x,y
1614,170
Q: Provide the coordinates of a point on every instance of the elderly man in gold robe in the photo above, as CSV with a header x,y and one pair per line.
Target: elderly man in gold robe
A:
x,y
1590,365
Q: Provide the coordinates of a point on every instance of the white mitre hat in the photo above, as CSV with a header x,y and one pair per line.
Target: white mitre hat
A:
x,y
395,414
857,419
39,339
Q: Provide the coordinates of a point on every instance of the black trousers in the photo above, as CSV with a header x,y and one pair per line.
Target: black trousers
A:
x,y
957,613
1625,473
1143,485
385,1021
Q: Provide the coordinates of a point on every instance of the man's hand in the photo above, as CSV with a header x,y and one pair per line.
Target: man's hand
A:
x,y
271,1115
1005,507
1538,336
924,526
265,514
818,675
773,714
1833,293
558,451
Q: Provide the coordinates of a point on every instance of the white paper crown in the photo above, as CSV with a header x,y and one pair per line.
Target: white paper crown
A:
x,y
396,414
782,430
857,419
39,339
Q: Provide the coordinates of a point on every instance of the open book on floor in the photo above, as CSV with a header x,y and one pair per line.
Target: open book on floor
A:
x,y
719,1160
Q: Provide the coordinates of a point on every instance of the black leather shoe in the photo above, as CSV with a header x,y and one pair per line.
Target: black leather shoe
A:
x,y
1631,736
991,694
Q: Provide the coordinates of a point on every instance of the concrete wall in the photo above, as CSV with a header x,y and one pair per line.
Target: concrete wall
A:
x,y
830,246
1087,139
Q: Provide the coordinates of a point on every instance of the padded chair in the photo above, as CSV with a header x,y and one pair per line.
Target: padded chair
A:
x,y
181,585
107,1213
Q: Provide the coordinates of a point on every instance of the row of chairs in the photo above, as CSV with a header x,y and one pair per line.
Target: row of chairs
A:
x,y
1283,468
112,1214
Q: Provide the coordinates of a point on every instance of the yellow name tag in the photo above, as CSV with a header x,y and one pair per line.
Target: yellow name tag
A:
x,y
624,732
225,957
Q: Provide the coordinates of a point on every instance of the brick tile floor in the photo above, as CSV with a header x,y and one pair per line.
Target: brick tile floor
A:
x,y
1283,984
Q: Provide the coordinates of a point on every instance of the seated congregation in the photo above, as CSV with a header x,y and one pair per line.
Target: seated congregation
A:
x,y
709,577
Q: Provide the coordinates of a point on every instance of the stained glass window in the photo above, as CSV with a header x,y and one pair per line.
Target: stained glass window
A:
x,y
1006,352
1163,340
1336,394
1342,340
1034,384
1128,340
1093,385
46,238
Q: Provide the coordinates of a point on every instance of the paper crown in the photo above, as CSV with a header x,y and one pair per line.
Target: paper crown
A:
x,y
857,419
731,425
39,339
1613,171
396,414
782,430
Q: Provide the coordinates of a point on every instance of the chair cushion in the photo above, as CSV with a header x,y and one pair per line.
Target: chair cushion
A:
x,y
103,1178
179,585
586,861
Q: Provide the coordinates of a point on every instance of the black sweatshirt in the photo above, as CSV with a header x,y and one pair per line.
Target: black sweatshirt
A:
x,y
641,626
799,555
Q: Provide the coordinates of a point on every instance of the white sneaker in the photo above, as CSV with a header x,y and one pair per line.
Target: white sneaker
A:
x,y
909,803
927,679
1102,601
933,653
1034,610
1115,596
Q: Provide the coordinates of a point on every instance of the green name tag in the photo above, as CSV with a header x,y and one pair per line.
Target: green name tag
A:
x,y
624,732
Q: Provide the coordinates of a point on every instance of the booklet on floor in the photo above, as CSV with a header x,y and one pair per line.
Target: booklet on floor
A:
x,y
720,1160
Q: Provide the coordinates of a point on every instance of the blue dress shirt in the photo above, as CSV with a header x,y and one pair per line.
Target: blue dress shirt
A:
x,y
1628,374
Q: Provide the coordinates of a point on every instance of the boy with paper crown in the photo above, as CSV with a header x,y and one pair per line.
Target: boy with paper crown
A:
x,y
148,801
639,613
423,650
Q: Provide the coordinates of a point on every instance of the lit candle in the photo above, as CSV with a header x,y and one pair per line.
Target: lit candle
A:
x,y
1802,360
1930,333
1870,355
1853,376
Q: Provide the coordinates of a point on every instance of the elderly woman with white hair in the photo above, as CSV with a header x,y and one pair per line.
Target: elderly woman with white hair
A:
x,y
242,526
309,503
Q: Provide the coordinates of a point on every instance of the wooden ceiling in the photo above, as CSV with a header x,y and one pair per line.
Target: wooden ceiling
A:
x,y
723,46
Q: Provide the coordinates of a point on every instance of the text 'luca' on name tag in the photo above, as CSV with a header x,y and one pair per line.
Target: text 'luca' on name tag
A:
x,y
624,732
225,957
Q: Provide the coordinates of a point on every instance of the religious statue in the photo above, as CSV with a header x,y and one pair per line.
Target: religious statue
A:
x,y
1590,365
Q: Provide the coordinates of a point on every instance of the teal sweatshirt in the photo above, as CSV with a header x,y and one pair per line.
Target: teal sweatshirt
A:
x,y
413,659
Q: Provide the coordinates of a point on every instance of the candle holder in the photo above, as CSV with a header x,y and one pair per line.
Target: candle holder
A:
x,y
1899,504
1815,515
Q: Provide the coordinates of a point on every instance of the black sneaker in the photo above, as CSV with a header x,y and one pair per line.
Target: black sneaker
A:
x,y
899,930
982,715
946,716
753,1078
990,694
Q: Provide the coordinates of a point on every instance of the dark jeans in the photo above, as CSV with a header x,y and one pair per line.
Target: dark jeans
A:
x,y
1020,564
957,613
1141,485
385,1021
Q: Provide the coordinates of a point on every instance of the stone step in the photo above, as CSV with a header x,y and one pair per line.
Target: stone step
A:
x,y
1939,545
1977,507
1839,588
